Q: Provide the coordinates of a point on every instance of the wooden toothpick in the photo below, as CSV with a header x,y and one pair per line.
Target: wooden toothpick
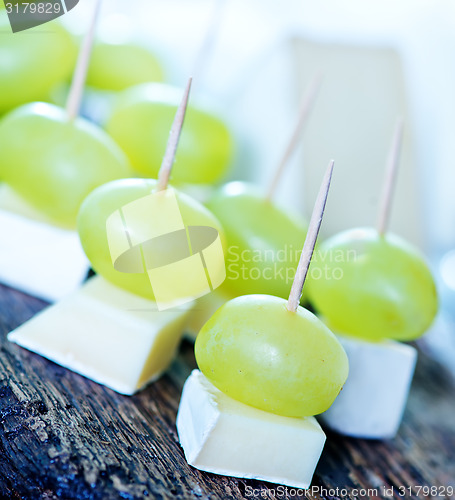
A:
x,y
390,177
73,102
310,241
172,143
304,113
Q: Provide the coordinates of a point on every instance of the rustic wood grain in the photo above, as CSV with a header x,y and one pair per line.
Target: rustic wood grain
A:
x,y
65,437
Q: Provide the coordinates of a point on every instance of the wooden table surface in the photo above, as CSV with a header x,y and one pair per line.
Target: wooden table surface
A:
x,y
63,436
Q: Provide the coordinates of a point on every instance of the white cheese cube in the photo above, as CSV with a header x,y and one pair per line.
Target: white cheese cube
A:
x,y
106,334
372,402
224,436
36,257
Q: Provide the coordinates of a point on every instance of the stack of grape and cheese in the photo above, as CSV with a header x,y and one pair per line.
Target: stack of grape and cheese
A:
x,y
386,294
383,292
267,366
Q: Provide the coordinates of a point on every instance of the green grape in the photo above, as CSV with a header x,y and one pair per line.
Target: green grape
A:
x,y
141,121
257,352
53,163
372,286
119,66
107,199
31,64
264,242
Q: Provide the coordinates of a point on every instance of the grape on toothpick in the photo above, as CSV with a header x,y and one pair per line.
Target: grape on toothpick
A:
x,y
274,354
263,240
52,158
31,66
115,196
140,119
371,284
142,114
267,366
115,67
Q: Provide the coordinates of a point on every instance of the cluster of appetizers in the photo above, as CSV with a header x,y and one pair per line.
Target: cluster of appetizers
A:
x,y
267,364
67,156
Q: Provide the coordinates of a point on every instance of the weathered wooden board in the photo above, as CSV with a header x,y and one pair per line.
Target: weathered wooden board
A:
x,y
63,436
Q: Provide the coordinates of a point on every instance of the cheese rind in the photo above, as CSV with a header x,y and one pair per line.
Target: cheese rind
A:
x,y
372,402
224,436
107,334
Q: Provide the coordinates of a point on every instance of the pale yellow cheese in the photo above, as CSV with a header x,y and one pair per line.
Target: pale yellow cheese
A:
x,y
106,334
